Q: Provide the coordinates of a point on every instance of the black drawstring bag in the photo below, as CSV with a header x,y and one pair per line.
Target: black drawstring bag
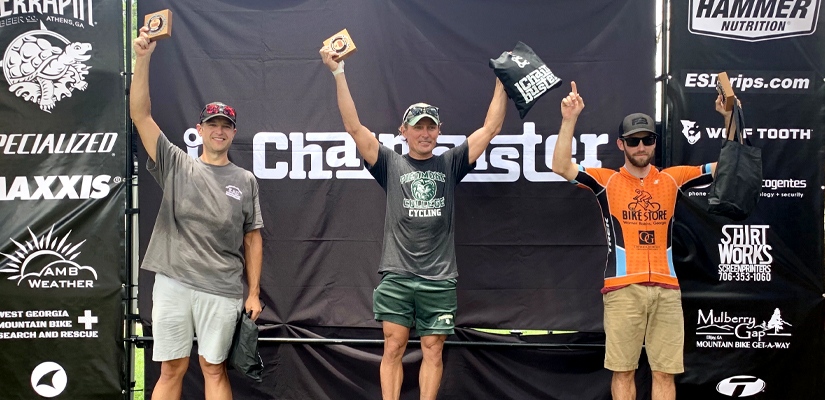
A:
x,y
738,182
524,76
243,355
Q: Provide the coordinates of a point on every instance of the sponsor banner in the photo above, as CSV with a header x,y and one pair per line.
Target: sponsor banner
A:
x,y
751,289
753,20
62,160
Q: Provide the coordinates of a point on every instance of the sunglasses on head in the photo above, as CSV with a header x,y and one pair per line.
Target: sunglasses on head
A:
x,y
213,109
419,110
634,141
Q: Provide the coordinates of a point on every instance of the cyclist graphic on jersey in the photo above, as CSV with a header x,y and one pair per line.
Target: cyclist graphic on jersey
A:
x,y
643,200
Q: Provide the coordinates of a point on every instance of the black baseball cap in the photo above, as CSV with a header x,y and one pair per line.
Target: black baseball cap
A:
x,y
218,109
638,122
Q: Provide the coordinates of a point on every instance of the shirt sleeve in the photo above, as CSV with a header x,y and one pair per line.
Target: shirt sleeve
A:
x,y
690,176
255,219
168,155
460,161
379,169
594,179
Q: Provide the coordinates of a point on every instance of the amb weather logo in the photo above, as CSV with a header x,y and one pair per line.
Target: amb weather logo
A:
x,y
47,262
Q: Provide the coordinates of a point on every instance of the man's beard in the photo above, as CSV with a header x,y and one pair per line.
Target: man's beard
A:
x,y
636,163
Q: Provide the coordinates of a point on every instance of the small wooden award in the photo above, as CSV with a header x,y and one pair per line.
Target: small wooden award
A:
x,y
160,24
342,44
724,88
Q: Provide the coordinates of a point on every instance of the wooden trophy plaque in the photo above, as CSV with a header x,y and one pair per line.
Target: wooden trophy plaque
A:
x,y
724,88
160,24
342,44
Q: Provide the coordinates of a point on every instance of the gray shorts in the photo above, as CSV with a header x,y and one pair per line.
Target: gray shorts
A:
x,y
180,313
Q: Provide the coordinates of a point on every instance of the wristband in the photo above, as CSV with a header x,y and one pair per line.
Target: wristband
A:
x,y
340,68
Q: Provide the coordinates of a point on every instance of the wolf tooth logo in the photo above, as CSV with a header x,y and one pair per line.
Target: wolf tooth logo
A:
x,y
740,386
753,20
49,379
48,262
691,131
39,71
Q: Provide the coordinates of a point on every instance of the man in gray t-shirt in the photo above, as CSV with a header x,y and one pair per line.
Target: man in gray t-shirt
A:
x,y
209,212
418,259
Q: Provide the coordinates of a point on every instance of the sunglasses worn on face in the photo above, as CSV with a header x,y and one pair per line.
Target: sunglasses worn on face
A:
x,y
416,111
634,141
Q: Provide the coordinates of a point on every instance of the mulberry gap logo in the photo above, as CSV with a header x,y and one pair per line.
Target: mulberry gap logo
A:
x,y
45,67
721,329
753,20
47,263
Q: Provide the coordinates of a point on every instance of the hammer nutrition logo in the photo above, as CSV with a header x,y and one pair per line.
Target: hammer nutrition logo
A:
x,y
722,329
744,254
49,379
753,20
47,263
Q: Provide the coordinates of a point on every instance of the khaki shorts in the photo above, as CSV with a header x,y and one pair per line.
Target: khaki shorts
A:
x,y
411,301
649,315
179,313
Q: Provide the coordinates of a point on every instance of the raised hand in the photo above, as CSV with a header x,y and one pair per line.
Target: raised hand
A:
x,y
720,106
327,57
142,45
573,104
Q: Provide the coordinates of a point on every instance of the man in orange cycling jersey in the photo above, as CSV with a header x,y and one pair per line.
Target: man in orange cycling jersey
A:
x,y
642,301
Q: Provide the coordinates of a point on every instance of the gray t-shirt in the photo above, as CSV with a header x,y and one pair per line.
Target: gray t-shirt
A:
x,y
204,214
419,225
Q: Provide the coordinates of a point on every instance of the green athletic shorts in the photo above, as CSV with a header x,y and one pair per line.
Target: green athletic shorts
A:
x,y
428,306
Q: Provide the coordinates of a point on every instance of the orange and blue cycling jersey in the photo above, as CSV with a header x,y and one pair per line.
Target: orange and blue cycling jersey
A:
x,y
638,219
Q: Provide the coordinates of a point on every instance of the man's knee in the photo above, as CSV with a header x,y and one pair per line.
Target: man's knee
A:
x,y
212,371
174,369
662,377
432,346
624,376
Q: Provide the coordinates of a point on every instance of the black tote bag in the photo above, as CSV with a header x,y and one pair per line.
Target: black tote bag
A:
x,y
243,355
738,182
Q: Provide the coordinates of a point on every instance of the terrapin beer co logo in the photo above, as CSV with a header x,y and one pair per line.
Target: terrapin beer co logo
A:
x,y
40,65
753,20
47,263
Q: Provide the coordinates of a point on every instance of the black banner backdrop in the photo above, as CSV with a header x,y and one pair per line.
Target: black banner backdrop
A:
x,y
62,157
753,289
530,249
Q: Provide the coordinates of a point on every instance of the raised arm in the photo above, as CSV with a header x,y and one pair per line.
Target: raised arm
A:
x,y
253,257
481,138
140,107
571,107
365,141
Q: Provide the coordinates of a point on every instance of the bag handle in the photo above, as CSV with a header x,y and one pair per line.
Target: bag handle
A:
x,y
737,120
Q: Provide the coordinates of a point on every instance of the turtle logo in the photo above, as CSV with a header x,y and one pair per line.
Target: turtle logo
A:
x,y
40,72
49,379
423,189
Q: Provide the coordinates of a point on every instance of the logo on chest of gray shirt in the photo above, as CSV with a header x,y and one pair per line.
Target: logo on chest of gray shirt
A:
x,y
424,189
233,192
